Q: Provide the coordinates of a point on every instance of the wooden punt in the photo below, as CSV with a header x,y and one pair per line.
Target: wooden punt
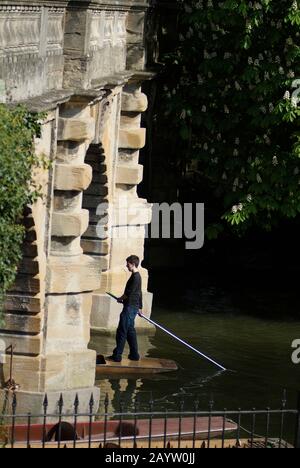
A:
x,y
175,428
144,366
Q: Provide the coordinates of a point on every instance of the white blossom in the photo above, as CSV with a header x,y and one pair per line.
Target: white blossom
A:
x,y
295,101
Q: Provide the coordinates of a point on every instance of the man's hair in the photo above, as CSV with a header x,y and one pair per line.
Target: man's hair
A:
x,y
133,260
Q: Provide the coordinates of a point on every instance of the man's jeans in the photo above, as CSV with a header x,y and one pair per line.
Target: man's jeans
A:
x,y
126,332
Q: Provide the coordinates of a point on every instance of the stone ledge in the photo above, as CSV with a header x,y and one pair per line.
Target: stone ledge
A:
x,y
129,175
73,129
24,323
22,303
26,284
72,178
30,249
70,225
137,102
23,344
95,247
132,139
48,101
29,266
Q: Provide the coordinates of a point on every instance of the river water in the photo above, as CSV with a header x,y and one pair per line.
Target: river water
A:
x,y
250,332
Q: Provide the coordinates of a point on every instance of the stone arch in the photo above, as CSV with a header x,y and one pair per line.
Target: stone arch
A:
x,y
102,157
96,199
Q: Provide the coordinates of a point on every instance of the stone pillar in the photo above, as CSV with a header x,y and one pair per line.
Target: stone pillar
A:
x,y
72,276
128,216
53,291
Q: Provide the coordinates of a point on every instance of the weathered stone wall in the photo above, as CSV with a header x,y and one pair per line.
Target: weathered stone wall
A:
x,y
31,47
83,63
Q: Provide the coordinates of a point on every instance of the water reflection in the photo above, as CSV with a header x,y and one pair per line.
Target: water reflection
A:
x,y
119,391
257,349
126,390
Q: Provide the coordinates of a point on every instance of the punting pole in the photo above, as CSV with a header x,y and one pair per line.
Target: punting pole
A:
x,y
177,338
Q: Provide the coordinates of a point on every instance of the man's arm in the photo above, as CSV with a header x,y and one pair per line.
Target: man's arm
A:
x,y
122,299
141,302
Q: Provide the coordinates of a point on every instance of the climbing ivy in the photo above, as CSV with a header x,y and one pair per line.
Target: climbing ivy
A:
x,y
231,99
18,129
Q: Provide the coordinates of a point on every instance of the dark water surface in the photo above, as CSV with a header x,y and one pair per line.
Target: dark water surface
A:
x,y
248,331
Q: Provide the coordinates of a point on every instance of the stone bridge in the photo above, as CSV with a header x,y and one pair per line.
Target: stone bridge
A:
x,y
83,64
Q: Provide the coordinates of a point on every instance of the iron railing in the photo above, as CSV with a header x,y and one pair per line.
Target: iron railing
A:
x,y
149,428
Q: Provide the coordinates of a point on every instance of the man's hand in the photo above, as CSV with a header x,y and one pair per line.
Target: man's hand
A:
x,y
122,299
140,312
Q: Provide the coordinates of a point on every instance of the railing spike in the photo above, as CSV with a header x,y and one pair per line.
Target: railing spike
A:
x,y
61,402
45,402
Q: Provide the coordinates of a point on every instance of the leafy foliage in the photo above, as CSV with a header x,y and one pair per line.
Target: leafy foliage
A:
x,y
231,99
18,128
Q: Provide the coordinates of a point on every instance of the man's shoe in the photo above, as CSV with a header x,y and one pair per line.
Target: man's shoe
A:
x,y
113,358
136,359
